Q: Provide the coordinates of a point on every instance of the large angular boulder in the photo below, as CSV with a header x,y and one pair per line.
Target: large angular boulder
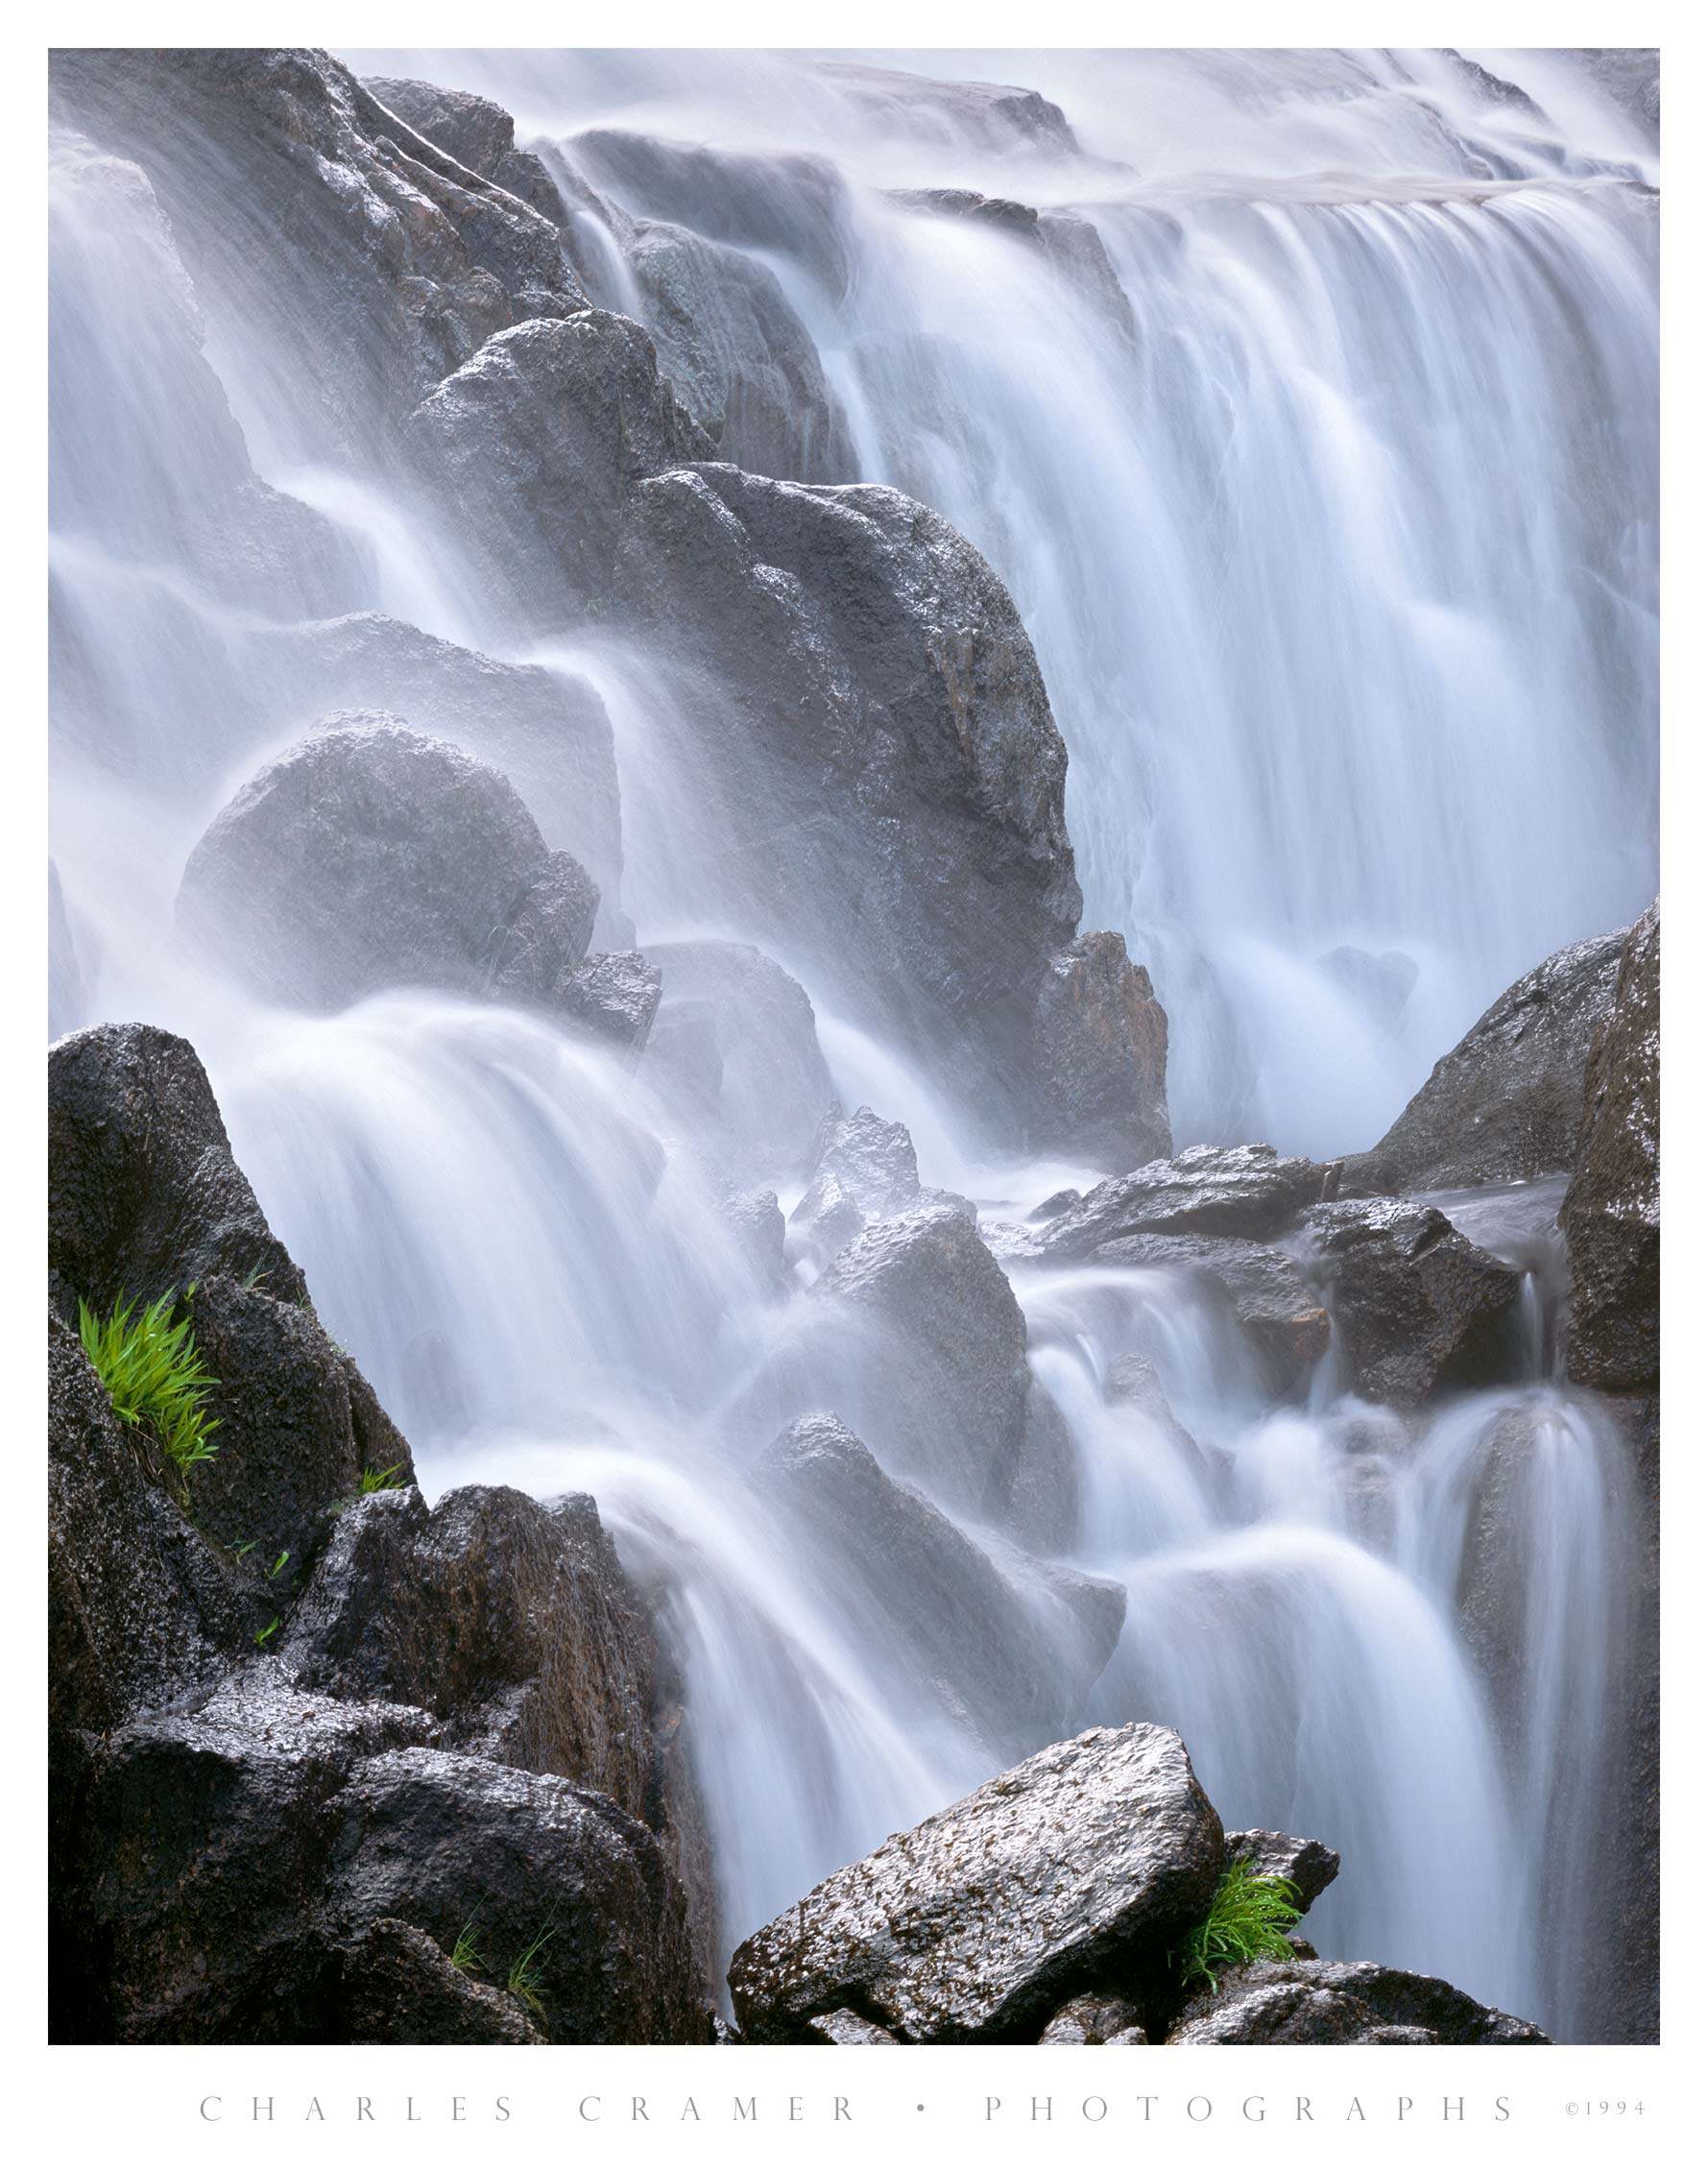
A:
x,y
987,1917
1507,1101
1324,2000
756,1049
1415,1305
939,1343
1281,1316
476,132
1612,1211
370,857
398,1985
1245,1191
1102,1057
1017,1662
402,260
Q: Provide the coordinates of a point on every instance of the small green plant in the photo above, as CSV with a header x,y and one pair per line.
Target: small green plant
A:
x,y
272,1571
262,1633
243,1551
466,1951
149,1363
527,1971
380,1480
1249,1918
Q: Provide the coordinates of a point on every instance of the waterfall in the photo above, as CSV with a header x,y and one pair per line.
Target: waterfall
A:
x,y
1309,414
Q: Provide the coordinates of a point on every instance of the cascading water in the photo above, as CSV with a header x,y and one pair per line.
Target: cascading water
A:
x,y
1316,447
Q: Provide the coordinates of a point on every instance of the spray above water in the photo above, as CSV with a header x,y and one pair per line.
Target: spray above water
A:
x,y
1305,403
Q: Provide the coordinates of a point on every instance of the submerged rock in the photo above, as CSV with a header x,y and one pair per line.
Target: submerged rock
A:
x,y
370,857
992,1914
1415,1306
1323,2000
1612,1211
1281,1318
1507,1101
1245,1191
1015,1664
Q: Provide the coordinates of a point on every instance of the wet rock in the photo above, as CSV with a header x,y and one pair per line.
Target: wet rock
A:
x,y
535,446
1415,1306
540,1866
1087,2022
1071,243
881,706
545,730
755,1219
1507,1101
1102,1056
1015,1663
991,1915
614,996
1281,1318
512,1622
398,1987
1054,1206
204,1841
1245,1191
370,857
67,995
844,2029
143,1194
402,260
863,1170
945,1345
476,132
1324,2000
1612,1211
1307,1864
772,1084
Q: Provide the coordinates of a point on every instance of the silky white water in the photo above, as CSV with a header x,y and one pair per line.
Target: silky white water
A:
x,y
1331,515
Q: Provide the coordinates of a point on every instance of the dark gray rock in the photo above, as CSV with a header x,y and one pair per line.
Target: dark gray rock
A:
x,y
988,1916
772,1084
143,1194
402,260
68,993
1507,1102
398,1987
1415,1306
1102,1057
1322,2000
946,1344
1092,2020
881,706
1281,1316
370,857
863,1170
439,1840
1054,1206
1612,1211
614,996
1246,1190
916,1589
476,132
534,447
1307,1864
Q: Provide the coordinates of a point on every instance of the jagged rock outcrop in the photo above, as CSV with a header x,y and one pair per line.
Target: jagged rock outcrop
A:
x,y
989,1916
476,132
1507,1101
1281,1316
614,996
402,261
1323,2000
862,1170
1102,1057
1015,1661
1307,1864
371,856
1245,1191
1612,1211
398,1986
1415,1305
930,1320
753,1062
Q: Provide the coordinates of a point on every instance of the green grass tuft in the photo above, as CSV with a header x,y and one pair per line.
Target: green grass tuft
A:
x,y
150,1366
466,1952
527,1971
263,1634
381,1479
1249,1918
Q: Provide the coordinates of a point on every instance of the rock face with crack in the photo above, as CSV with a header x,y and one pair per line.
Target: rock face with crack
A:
x,y
1251,1191
988,1916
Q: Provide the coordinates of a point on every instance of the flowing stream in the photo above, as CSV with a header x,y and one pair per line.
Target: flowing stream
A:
x,y
1326,494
